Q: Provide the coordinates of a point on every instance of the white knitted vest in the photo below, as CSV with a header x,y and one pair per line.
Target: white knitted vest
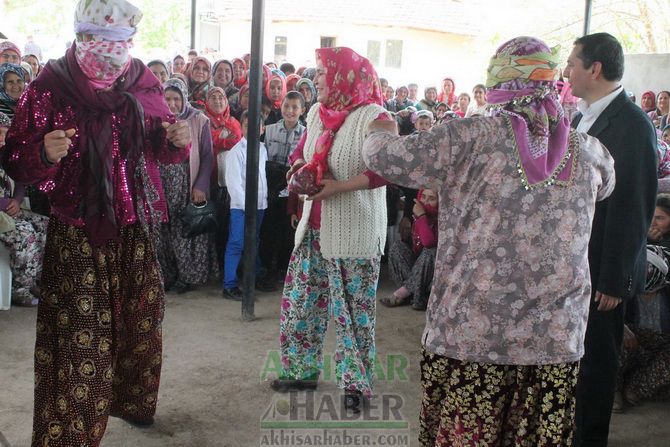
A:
x,y
353,224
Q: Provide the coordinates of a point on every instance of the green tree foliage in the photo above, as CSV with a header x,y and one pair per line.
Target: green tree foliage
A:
x,y
165,25
38,17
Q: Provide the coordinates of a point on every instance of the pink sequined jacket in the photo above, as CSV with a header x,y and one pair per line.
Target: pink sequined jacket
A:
x,y
39,113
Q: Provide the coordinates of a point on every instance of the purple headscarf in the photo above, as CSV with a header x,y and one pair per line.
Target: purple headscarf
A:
x,y
541,129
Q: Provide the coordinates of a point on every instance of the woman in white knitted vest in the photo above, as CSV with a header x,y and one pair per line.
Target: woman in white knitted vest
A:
x,y
334,267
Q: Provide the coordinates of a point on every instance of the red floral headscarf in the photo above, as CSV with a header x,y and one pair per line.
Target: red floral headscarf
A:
x,y
352,82
652,95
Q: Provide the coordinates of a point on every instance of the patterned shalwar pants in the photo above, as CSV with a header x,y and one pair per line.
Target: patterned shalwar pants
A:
x,y
487,405
413,272
646,370
98,348
316,290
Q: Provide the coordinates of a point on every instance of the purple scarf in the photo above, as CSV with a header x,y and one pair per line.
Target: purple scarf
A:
x,y
137,95
541,131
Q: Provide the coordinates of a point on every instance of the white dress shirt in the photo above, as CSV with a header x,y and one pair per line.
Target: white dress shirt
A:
x,y
591,113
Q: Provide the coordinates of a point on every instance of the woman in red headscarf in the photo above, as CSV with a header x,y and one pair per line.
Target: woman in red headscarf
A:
x,y
648,101
226,132
239,72
340,236
411,265
291,81
447,94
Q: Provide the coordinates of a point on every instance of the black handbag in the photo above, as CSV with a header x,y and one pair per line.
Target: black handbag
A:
x,y
198,219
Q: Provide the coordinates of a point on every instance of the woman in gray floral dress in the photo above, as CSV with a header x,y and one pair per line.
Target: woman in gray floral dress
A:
x,y
186,262
23,233
507,314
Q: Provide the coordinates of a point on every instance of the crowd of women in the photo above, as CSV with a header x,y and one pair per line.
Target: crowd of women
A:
x,y
221,92
367,181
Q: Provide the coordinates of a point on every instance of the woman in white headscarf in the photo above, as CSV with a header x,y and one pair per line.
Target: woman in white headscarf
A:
x,y
91,130
186,262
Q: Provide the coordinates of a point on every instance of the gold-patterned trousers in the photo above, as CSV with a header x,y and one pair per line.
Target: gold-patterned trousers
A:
x,y
481,404
98,348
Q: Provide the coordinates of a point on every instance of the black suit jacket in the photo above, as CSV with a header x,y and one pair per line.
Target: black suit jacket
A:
x,y
617,249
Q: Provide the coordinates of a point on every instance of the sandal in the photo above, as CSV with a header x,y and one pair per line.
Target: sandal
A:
x,y
286,385
395,301
353,400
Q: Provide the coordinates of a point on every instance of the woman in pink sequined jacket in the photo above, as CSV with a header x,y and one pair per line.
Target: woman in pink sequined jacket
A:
x,y
90,132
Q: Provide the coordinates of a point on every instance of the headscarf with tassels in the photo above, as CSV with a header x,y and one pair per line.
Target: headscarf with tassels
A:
x,y
522,85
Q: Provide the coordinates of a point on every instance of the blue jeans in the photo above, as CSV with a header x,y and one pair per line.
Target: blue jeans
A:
x,y
235,246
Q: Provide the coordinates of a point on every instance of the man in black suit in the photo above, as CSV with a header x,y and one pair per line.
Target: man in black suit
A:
x,y
617,254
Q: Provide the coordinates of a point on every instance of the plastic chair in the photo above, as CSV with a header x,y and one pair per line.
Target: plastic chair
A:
x,y
5,279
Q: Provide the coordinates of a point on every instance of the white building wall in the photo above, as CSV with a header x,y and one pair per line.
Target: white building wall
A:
x,y
427,56
646,72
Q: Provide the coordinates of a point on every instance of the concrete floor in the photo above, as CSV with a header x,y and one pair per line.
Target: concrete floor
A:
x,y
212,392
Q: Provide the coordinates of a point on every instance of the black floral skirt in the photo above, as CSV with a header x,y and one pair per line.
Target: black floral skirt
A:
x,y
480,404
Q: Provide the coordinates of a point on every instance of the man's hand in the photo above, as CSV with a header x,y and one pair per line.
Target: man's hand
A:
x,y
606,302
382,126
178,133
294,221
13,207
56,144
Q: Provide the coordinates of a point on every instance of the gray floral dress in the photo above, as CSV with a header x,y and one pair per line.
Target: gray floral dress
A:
x,y
25,244
507,313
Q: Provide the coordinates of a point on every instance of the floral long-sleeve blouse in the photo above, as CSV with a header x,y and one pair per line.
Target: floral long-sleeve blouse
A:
x,y
511,282
38,113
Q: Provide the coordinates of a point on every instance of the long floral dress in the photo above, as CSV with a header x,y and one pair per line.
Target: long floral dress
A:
x,y
26,247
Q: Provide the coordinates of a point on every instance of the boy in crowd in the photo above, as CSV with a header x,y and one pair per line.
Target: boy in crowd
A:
x,y
287,68
423,120
236,170
276,241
